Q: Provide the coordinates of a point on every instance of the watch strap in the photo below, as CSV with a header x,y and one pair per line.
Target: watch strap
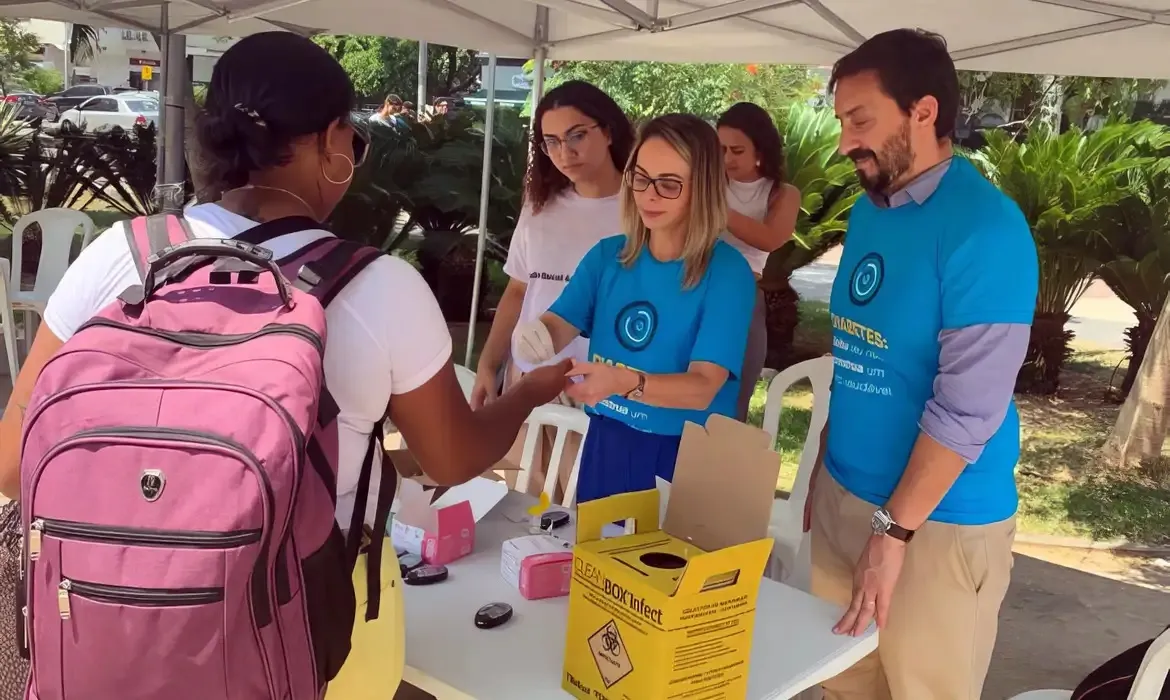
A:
x,y
900,533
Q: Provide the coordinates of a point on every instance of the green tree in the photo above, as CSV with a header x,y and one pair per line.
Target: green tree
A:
x,y
379,65
647,88
16,45
43,81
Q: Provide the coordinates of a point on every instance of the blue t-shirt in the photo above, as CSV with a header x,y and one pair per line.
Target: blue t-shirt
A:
x,y
963,257
641,317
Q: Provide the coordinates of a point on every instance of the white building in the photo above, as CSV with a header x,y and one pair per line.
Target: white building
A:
x,y
122,55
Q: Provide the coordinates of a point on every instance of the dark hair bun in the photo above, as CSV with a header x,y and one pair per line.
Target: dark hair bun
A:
x,y
235,144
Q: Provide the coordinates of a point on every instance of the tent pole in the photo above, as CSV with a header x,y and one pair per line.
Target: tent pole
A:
x,y
160,138
540,37
423,65
485,187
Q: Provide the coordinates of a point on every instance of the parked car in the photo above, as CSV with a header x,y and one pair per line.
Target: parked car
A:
x,y
72,97
30,105
107,111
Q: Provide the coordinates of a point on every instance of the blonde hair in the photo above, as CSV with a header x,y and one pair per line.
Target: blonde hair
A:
x,y
698,144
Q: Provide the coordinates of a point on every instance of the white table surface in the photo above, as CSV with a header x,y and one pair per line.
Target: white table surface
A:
x,y
793,649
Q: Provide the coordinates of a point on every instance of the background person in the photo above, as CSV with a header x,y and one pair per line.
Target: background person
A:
x,y
913,514
666,309
761,216
389,114
581,141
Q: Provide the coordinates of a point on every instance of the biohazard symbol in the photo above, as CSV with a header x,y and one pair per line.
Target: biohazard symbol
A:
x,y
610,654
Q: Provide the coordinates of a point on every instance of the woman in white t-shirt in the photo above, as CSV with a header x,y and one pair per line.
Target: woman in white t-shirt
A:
x,y
762,211
581,141
278,155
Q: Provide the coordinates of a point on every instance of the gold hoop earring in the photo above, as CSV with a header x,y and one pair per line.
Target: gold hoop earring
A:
x,y
345,180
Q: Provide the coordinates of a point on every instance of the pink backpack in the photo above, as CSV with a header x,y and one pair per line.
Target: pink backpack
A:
x,y
179,480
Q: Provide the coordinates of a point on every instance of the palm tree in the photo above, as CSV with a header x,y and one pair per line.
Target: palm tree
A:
x,y
83,42
828,190
1137,264
1062,184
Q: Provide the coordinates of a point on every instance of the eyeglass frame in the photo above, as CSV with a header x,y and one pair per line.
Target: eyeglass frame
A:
x,y
653,181
577,134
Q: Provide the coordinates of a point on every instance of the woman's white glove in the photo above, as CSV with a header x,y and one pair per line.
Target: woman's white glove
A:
x,y
534,345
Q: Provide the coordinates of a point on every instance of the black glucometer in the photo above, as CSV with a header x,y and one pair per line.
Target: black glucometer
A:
x,y
493,615
425,575
409,562
554,519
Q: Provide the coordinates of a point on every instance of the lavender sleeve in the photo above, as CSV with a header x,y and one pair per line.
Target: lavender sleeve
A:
x,y
977,370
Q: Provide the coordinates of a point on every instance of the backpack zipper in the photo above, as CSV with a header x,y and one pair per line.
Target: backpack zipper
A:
x,y
197,339
128,595
193,539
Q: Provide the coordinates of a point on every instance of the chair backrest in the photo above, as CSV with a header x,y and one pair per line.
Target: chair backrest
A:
x,y
466,379
819,372
58,228
1155,669
565,420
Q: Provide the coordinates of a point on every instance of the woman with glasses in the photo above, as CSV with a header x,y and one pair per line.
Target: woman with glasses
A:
x,y
581,140
761,216
665,308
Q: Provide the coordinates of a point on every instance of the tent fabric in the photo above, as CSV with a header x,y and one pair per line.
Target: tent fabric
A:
x,y
1065,37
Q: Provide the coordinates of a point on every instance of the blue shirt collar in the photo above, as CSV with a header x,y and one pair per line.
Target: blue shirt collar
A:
x,y
917,190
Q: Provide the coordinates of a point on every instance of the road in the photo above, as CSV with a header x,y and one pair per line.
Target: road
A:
x,y
1099,319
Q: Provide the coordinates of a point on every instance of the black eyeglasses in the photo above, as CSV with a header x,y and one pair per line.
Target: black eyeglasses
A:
x,y
666,187
572,140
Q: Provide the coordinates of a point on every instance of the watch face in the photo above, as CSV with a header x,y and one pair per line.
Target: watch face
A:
x,y
881,522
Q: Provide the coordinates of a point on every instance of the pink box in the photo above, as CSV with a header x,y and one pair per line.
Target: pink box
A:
x,y
439,535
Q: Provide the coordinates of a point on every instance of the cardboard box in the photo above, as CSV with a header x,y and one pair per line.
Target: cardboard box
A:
x,y
439,524
670,612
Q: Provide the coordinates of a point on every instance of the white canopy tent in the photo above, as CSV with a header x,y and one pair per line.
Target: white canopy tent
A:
x,y
1064,37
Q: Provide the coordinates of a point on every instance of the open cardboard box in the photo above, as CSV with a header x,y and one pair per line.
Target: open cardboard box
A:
x,y
437,522
669,612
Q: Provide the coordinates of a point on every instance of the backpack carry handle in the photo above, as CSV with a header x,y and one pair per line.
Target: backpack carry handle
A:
x,y
158,265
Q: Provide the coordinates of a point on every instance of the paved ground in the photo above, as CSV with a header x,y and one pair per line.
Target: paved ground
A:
x,y
1099,318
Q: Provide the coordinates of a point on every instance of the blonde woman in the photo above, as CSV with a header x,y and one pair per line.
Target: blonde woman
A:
x,y
666,309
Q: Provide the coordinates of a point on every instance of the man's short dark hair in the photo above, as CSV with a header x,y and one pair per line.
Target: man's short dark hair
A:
x,y
910,64
394,100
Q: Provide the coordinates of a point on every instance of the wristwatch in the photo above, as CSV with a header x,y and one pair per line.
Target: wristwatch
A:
x,y
637,392
883,524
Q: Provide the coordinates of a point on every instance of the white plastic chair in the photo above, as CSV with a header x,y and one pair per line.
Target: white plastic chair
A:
x,y
8,320
565,420
466,379
58,228
1147,684
790,556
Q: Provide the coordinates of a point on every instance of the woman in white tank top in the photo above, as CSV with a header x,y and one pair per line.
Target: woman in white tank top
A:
x,y
762,211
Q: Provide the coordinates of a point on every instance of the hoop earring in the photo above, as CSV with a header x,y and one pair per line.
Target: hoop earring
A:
x,y
345,180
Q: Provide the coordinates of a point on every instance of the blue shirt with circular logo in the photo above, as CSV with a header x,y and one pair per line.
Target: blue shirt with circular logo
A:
x,y
641,317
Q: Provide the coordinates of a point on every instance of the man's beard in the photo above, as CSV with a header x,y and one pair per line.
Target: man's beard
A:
x,y
893,161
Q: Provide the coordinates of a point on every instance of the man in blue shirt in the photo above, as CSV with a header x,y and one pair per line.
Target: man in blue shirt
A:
x,y
913,513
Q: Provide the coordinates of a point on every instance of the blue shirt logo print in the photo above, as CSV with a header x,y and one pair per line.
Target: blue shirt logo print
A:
x,y
635,325
867,279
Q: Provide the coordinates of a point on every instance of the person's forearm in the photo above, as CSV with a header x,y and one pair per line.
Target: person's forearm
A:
x,y
754,233
492,433
561,331
689,390
929,474
497,347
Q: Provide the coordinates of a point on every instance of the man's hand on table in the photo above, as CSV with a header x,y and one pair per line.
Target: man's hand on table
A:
x,y
874,580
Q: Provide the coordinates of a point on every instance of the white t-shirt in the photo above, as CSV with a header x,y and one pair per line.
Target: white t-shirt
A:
x,y
387,335
546,249
750,199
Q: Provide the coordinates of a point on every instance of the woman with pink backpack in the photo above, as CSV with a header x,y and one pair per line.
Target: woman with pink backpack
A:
x,y
201,414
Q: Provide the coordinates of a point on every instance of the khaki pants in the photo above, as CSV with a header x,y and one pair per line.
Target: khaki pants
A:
x,y
943,618
544,446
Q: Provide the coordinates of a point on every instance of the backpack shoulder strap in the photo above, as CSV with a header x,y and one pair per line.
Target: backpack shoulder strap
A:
x,y
148,235
323,267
